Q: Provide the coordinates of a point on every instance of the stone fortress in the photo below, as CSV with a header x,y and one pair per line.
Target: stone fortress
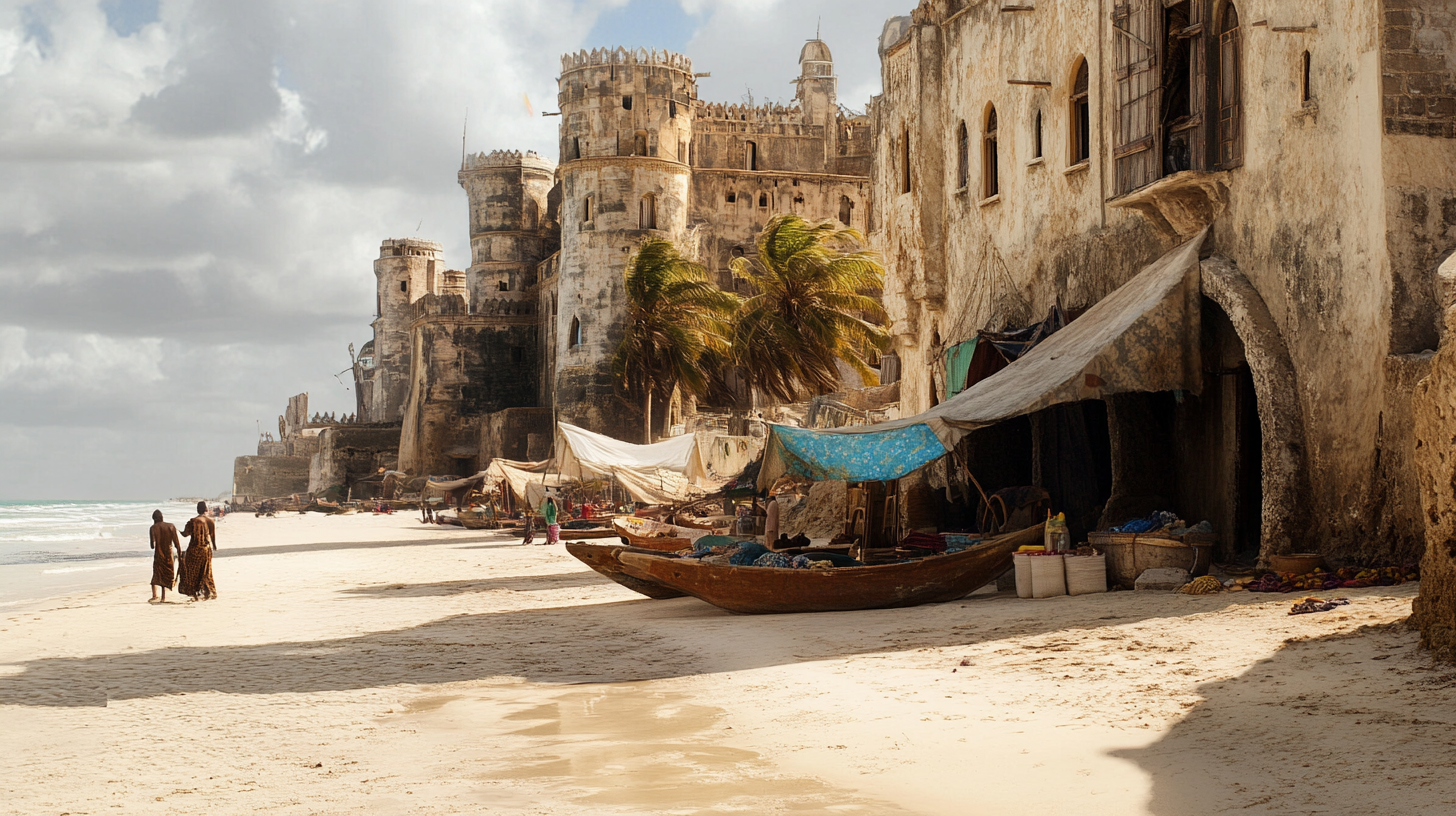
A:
x,y
474,365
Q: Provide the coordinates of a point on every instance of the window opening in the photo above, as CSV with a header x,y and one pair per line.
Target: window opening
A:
x,y
553,305
991,156
626,103
404,286
846,211
672,108
1306,95
1081,118
574,339
732,197
1139,89
576,147
647,217
1230,91
505,286
763,201
587,210
751,156
963,157
1036,137
905,160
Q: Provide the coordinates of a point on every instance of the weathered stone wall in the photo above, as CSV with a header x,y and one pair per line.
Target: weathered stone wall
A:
x,y
267,477
518,434
1418,56
1435,460
346,454
1346,283
510,228
464,367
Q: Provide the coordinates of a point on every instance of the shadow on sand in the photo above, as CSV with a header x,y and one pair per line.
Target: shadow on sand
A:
x,y
602,643
1352,723
514,583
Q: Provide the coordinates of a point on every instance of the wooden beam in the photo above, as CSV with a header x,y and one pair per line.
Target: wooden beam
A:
x,y
1039,83
1018,8
1297,29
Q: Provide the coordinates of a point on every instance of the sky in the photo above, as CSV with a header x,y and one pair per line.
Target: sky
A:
x,y
192,194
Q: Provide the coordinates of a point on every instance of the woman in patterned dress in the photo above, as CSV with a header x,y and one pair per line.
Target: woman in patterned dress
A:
x,y
163,541
197,562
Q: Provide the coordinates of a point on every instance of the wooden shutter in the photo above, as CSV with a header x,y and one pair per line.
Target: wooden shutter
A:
x,y
1139,92
1230,97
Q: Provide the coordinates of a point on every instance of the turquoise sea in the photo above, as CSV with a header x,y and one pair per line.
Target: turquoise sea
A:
x,y
54,548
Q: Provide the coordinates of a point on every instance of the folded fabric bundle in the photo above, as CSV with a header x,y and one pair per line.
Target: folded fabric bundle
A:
x,y
1156,521
924,541
748,553
773,559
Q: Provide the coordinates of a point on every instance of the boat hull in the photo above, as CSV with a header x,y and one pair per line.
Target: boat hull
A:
x,y
769,590
603,559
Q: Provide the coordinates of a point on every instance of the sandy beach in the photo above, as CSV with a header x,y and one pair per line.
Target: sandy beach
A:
x,y
369,664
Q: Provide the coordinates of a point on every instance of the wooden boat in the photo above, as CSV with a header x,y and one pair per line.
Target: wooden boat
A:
x,y
589,534
769,590
603,559
650,535
477,521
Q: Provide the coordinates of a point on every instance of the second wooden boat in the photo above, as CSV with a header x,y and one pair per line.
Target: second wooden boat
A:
x,y
651,535
603,559
769,590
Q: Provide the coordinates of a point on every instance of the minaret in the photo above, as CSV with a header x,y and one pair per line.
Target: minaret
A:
x,y
626,137
818,93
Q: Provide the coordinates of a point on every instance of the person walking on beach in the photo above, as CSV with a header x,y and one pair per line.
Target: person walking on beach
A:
x,y
530,526
163,541
553,530
197,562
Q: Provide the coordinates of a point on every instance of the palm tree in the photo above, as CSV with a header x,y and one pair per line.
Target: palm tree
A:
x,y
814,306
675,317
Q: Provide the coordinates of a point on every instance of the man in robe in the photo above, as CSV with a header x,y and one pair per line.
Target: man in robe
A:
x,y
163,541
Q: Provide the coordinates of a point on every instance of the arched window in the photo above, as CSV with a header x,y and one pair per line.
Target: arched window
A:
x,y
763,201
588,210
626,103
1307,94
1080,117
1230,90
991,157
963,157
846,211
647,216
750,150
575,338
905,160
1036,136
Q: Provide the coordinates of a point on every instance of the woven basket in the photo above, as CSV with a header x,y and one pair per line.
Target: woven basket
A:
x,y
1023,574
1086,574
1048,576
1129,554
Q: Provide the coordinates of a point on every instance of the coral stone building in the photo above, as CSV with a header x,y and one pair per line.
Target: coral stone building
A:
x,y
1041,154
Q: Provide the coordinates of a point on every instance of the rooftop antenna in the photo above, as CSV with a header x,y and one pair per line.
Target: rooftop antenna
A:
x,y
463,134
818,28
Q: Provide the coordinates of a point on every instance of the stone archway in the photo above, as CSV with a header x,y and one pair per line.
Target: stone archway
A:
x,y
1286,474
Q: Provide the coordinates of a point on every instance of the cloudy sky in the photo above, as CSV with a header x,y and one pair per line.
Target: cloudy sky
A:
x,y
192,193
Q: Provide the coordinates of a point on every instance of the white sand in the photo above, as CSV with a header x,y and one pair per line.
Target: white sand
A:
x,y
361,664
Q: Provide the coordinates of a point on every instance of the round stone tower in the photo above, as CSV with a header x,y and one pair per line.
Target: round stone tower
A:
x,y
509,230
407,270
626,141
818,92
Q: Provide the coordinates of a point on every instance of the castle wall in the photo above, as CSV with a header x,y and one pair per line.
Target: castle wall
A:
x,y
349,453
406,271
464,367
266,477
518,434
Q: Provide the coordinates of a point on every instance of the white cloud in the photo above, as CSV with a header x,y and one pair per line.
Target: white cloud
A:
x,y
87,362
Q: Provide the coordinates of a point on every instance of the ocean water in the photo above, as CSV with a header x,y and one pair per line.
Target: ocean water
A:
x,y
50,549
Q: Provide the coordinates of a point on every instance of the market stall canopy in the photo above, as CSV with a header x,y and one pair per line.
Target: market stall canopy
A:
x,y
1144,337
654,474
528,481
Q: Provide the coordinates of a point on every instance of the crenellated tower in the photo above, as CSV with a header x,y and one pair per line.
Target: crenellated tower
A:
x,y
511,230
407,269
626,142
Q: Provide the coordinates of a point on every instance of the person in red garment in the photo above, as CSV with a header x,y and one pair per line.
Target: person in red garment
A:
x,y
197,582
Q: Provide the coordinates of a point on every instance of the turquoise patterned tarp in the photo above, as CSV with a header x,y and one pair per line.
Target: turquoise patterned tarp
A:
x,y
877,457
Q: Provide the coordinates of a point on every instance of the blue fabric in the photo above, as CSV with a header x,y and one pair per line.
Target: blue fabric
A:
x,y
747,554
866,457
1156,521
958,365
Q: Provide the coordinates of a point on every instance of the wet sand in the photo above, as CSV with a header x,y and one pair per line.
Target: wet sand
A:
x,y
363,664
